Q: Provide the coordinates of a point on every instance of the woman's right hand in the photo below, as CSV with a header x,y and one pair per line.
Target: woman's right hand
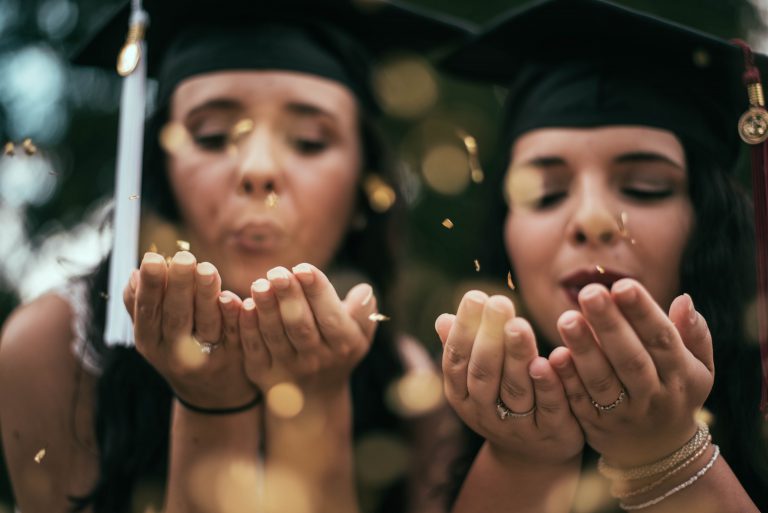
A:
x,y
490,354
187,329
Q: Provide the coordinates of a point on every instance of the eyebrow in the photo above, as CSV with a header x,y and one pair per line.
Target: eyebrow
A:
x,y
214,104
545,162
642,156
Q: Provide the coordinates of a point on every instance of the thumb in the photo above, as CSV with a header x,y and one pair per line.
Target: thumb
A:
x,y
443,325
693,330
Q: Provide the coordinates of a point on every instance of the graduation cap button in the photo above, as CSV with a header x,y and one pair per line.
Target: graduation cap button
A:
x,y
753,125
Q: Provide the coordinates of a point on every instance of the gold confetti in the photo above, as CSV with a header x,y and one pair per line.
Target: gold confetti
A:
x,y
40,455
241,128
29,147
182,245
623,218
272,199
376,317
448,223
470,143
133,197
152,248
600,269
477,265
9,150
510,283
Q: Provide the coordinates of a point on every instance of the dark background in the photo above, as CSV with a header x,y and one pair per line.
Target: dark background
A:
x,y
71,115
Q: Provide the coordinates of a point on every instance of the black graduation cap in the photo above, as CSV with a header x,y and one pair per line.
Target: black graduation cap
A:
x,y
585,63
175,39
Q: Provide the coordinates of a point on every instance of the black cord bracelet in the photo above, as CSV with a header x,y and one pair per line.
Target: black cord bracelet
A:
x,y
221,411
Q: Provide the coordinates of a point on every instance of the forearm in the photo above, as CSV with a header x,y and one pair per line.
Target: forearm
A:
x,y
501,483
214,460
314,447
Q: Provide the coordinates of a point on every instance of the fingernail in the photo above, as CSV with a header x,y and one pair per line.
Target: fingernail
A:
x,y
249,304
183,258
261,285
625,288
152,258
224,299
569,321
692,317
205,273
476,297
368,296
132,280
593,297
304,274
279,277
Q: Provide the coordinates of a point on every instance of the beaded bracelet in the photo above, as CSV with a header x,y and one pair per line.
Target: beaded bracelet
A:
x,y
657,467
658,482
221,411
681,486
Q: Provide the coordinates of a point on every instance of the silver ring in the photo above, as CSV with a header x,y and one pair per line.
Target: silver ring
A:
x,y
614,404
503,411
206,347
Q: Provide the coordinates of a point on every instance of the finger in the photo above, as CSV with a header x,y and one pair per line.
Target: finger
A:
x,y
458,345
516,389
206,311
593,367
230,306
335,326
129,294
655,330
360,303
178,303
693,330
619,342
149,301
254,348
270,321
443,325
297,317
552,408
575,391
487,356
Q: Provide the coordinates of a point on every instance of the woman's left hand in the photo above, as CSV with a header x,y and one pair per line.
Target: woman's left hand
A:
x,y
634,376
295,328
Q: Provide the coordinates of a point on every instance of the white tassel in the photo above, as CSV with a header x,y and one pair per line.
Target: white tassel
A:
x,y
133,66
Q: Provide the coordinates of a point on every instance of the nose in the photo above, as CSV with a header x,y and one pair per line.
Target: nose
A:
x,y
259,170
594,221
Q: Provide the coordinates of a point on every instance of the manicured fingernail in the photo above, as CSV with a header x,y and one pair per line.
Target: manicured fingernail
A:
x,y
569,321
304,274
692,317
261,285
225,298
625,288
152,258
205,273
279,277
476,297
593,297
249,304
183,258
368,296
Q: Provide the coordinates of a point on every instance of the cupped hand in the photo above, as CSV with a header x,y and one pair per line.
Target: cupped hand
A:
x,y
490,355
187,329
635,376
295,328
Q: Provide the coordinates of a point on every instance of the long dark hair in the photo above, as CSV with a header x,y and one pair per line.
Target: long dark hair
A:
x,y
133,405
718,271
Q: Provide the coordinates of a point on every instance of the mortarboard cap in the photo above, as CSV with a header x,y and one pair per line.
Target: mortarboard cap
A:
x,y
174,40
587,63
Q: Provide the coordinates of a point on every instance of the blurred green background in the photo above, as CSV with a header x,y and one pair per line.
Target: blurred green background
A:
x,y
71,116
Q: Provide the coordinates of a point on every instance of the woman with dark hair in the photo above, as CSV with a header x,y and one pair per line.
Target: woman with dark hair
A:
x,y
258,150
632,251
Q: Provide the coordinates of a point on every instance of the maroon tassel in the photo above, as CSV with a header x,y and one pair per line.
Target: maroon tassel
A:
x,y
753,129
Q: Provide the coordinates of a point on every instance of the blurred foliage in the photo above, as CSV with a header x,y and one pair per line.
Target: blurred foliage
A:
x,y
439,263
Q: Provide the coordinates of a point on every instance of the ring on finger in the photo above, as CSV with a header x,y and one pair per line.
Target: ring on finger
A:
x,y
614,404
206,347
503,411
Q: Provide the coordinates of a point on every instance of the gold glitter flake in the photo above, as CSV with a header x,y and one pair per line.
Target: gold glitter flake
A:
x,y
477,265
510,283
377,317
40,455
272,199
448,223
600,269
152,248
9,150
29,146
182,245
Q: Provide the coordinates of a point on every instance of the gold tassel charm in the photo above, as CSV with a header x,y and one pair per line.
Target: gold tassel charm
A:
x,y
131,53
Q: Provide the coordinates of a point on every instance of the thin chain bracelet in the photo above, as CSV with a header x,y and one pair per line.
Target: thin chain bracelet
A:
x,y
648,488
657,467
681,486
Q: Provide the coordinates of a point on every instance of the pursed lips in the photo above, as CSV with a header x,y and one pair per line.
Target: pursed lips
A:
x,y
575,281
